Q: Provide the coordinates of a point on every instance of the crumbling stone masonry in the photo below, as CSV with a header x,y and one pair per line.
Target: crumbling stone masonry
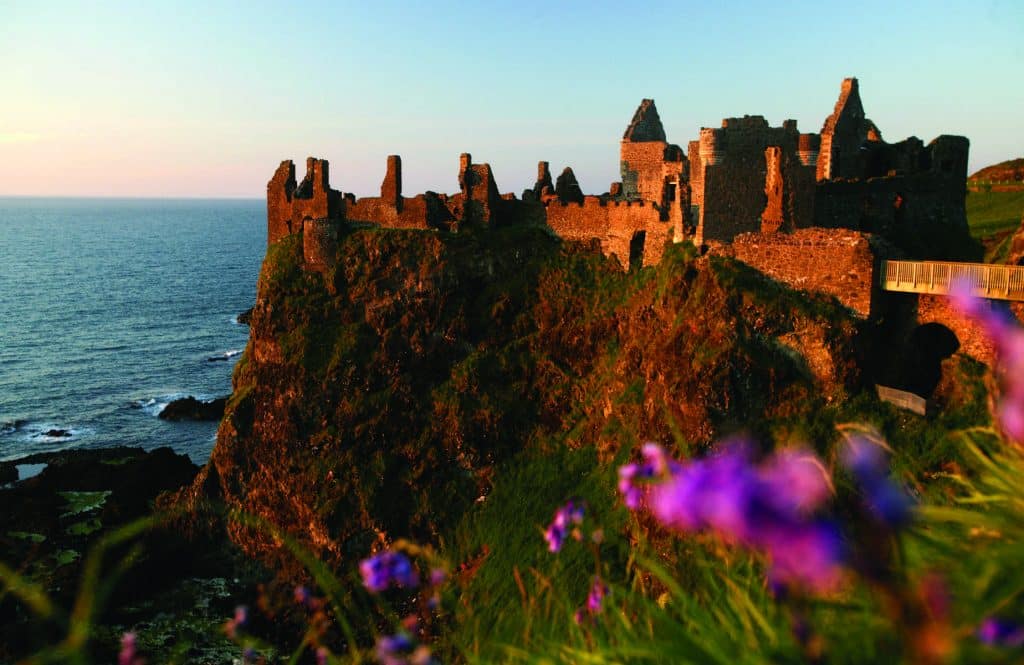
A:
x,y
748,177
841,263
745,177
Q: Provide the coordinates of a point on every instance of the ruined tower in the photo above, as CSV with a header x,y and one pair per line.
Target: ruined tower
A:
x,y
391,188
747,176
289,205
647,161
843,135
479,192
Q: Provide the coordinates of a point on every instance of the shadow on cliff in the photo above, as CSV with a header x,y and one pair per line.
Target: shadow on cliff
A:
x,y
375,400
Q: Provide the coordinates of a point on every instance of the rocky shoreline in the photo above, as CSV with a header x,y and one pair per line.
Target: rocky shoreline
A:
x,y
169,587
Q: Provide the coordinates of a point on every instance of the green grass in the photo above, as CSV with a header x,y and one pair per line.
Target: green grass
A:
x,y
674,599
989,213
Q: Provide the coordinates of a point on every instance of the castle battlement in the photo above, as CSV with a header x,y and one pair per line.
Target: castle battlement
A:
x,y
743,177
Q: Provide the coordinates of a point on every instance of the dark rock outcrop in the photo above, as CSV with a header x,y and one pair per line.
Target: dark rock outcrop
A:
x,y
379,404
190,408
245,317
50,523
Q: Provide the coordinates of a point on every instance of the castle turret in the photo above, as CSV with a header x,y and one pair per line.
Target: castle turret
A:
x,y
280,191
479,191
543,180
645,158
712,146
391,188
807,149
646,124
949,155
843,134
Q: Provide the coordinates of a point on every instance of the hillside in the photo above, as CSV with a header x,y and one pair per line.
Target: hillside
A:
x,y
451,390
1012,170
993,217
395,385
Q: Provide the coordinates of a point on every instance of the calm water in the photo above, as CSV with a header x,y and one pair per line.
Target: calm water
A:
x,y
109,308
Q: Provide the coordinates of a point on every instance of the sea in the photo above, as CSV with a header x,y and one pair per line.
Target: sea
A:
x,y
111,308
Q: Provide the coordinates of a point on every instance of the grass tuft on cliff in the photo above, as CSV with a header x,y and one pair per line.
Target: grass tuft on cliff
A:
x,y
455,389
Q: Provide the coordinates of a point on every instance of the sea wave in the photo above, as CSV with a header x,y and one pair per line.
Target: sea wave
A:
x,y
225,355
47,432
11,427
152,406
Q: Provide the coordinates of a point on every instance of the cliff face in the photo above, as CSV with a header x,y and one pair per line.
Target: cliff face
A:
x,y
375,400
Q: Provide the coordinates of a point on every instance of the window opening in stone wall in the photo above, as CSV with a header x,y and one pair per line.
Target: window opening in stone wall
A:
x,y
636,250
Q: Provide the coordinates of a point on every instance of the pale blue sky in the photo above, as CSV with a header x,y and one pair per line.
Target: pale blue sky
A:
x,y
206,98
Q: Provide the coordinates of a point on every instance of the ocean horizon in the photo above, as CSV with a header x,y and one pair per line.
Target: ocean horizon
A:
x,y
113,307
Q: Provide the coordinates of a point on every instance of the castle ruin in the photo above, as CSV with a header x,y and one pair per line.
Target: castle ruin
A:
x,y
745,177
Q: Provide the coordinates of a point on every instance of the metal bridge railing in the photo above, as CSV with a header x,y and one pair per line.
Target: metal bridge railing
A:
x,y
988,280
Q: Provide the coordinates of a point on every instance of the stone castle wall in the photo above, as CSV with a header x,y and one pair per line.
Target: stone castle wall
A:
x,y
746,183
972,337
615,224
917,204
748,177
289,205
838,262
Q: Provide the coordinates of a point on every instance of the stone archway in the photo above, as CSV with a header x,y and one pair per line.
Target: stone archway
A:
x,y
927,346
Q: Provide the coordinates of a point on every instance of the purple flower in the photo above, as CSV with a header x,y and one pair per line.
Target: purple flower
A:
x,y
302,595
797,480
569,514
1001,633
248,655
656,464
387,569
768,507
869,463
438,576
127,655
393,649
1008,338
595,599
322,656
711,493
807,555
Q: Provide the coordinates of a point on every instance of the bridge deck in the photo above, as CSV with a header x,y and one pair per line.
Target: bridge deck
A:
x,y
988,280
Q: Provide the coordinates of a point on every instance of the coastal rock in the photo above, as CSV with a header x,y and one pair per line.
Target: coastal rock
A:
x,y
380,404
245,318
57,433
49,523
190,408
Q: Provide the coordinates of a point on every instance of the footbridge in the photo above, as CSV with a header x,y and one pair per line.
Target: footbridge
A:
x,y
987,280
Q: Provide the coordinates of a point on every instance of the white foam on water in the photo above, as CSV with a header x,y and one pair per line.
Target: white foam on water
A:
x,y
11,427
152,406
224,355
40,433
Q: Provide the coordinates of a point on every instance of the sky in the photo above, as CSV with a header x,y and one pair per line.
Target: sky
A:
x,y
204,99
